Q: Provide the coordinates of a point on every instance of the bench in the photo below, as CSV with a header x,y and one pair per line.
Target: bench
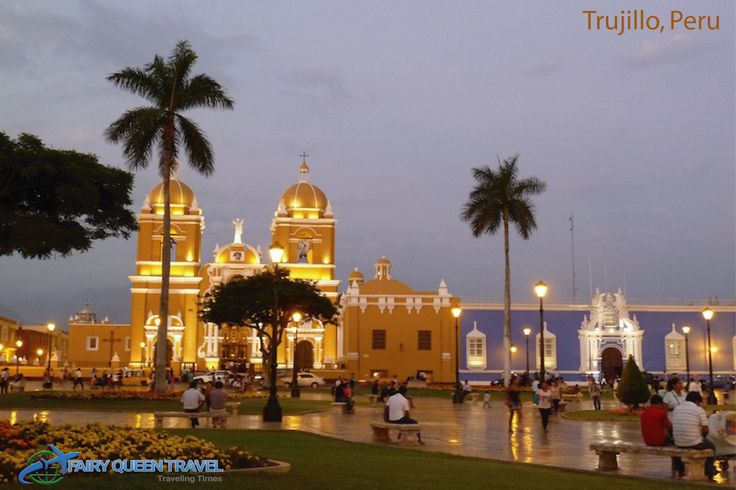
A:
x,y
232,407
694,459
381,432
572,397
158,417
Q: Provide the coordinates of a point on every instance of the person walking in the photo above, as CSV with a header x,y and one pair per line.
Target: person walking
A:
x,y
535,388
513,401
595,393
556,397
78,379
545,403
4,380
487,399
191,400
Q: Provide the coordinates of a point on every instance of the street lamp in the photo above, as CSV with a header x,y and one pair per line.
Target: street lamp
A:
x,y
712,400
686,330
540,289
18,344
456,311
513,349
527,331
50,327
295,393
272,410
39,353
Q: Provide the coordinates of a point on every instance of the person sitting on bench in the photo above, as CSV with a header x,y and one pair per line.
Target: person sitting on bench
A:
x,y
690,426
397,408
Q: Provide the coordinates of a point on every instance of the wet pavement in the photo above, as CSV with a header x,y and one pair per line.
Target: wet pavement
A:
x,y
467,430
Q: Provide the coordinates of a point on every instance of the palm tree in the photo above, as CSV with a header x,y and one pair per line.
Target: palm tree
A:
x,y
170,89
500,198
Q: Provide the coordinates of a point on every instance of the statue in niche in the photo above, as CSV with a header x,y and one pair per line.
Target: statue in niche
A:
x,y
238,238
302,251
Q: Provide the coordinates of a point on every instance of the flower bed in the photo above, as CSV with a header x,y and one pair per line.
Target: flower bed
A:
x,y
106,395
628,411
96,441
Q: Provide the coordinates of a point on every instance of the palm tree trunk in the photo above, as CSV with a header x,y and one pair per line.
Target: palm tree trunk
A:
x,y
506,304
162,333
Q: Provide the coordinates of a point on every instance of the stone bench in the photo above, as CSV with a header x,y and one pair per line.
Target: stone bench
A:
x,y
694,459
158,417
344,406
381,432
572,397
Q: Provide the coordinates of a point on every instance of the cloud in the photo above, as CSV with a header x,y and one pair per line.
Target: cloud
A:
x,y
542,67
670,50
320,85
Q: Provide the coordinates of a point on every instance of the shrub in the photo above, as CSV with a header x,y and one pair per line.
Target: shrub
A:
x,y
633,389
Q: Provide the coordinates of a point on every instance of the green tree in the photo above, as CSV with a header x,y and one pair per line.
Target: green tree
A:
x,y
632,389
265,302
498,199
58,201
171,89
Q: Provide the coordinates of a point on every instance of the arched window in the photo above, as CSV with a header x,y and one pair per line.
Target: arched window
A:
x,y
674,351
550,349
475,349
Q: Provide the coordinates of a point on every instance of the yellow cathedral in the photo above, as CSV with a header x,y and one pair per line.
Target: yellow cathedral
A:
x,y
385,328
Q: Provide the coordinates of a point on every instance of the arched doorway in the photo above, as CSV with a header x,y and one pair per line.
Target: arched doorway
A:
x,y
304,355
169,352
612,363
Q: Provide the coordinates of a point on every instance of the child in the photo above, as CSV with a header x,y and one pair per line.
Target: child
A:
x,y
487,399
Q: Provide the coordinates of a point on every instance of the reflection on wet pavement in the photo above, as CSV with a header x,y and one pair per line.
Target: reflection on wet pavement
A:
x,y
467,430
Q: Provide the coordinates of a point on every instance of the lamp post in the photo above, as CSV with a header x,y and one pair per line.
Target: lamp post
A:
x,y
18,344
527,331
39,353
540,289
686,330
272,410
456,311
50,327
295,393
712,400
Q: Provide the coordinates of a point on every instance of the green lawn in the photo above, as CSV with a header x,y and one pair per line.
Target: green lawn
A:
x,y
250,406
609,416
325,463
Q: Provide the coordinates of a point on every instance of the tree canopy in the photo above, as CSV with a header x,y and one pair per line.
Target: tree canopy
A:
x,y
632,389
251,302
58,201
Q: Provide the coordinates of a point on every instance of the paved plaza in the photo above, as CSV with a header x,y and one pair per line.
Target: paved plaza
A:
x,y
467,430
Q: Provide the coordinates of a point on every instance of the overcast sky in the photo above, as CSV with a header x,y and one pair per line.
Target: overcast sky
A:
x,y
395,102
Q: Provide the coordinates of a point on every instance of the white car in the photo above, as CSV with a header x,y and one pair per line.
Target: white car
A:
x,y
304,380
212,376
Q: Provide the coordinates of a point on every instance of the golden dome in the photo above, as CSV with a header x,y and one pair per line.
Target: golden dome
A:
x,y
181,195
355,276
304,195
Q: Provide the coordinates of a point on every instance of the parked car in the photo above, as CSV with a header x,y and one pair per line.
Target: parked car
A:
x,y
212,376
303,380
721,382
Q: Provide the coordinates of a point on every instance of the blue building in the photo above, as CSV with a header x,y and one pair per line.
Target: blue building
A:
x,y
597,338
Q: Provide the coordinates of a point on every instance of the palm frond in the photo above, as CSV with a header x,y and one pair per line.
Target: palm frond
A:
x,y
180,62
138,82
203,91
138,129
198,148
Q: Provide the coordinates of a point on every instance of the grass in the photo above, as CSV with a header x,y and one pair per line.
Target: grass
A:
x,y
610,416
249,406
325,463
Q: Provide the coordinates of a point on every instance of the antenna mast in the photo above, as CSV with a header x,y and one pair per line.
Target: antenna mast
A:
x,y
572,241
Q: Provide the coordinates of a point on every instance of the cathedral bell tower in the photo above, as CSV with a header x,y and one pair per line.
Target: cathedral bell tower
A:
x,y
187,224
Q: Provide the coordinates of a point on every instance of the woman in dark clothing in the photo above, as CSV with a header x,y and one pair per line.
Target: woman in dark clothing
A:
x,y
513,401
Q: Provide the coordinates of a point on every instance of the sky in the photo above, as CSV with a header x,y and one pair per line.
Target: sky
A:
x,y
396,102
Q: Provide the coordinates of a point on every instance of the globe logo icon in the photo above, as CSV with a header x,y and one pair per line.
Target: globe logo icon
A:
x,y
47,476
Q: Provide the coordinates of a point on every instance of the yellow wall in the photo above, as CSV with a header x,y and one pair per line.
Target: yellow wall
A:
x,y
81,357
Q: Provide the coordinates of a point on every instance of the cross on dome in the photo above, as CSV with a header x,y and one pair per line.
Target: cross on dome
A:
x,y
304,168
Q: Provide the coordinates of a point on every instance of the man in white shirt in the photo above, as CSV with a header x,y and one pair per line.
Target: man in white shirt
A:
x,y
676,395
397,410
695,386
690,426
191,399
